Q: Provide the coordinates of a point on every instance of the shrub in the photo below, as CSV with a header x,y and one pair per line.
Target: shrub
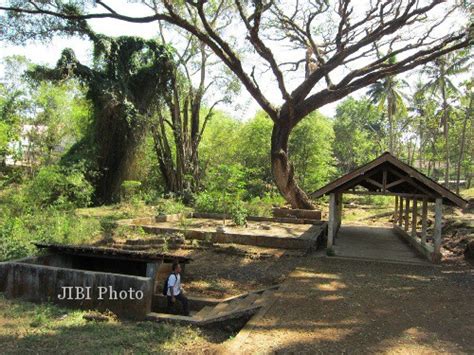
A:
x,y
43,225
262,206
14,240
208,202
169,206
56,186
130,190
239,214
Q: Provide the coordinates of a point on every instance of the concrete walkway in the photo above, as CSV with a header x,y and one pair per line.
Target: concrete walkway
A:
x,y
374,243
331,305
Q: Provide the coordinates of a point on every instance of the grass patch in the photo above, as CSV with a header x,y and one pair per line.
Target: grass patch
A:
x,y
467,193
45,328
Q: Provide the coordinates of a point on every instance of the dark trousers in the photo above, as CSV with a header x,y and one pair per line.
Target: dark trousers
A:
x,y
182,299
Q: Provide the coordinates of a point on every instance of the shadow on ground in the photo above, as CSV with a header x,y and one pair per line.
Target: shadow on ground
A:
x,y
350,306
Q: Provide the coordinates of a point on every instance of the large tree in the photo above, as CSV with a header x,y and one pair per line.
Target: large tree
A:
x,y
197,86
126,85
334,48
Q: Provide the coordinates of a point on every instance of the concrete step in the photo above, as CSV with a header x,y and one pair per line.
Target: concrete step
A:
x,y
233,308
249,300
242,302
143,242
264,297
220,308
233,305
204,312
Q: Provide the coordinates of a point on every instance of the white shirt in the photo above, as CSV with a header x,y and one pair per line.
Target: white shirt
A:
x,y
175,282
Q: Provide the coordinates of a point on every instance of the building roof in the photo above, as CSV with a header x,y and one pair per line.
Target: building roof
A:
x,y
387,175
85,250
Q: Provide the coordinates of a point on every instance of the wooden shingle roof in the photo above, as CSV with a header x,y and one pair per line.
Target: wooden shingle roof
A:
x,y
387,175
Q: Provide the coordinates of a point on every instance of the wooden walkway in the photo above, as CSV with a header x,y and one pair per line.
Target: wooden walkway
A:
x,y
374,243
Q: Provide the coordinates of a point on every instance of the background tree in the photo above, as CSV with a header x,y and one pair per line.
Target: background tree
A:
x,y
332,37
61,116
180,123
465,134
440,84
14,104
310,149
387,94
359,134
253,152
40,120
221,142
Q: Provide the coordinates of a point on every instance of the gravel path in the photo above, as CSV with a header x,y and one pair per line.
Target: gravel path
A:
x,y
368,307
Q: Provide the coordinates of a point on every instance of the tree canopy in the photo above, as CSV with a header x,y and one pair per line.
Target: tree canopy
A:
x,y
335,45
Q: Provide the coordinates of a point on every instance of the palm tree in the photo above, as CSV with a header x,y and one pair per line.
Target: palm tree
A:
x,y
467,108
390,99
439,73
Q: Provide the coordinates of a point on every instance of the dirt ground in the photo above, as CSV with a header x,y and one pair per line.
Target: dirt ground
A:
x,y
208,225
220,275
333,305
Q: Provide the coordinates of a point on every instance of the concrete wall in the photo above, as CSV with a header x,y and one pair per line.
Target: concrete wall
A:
x,y
293,219
90,263
40,283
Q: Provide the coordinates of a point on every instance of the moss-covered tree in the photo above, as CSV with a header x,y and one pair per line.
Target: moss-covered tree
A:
x,y
125,85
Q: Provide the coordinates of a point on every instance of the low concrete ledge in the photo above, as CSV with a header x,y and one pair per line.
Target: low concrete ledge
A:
x,y
296,213
305,217
40,283
276,219
425,250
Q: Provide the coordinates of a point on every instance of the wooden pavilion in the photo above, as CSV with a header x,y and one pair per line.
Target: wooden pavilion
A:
x,y
386,175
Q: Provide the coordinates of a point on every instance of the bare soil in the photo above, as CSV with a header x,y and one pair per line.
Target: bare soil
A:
x,y
251,228
344,306
220,275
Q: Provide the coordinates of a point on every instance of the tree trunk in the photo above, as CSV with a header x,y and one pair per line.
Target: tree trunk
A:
x,y
283,171
390,124
420,151
461,155
446,136
463,143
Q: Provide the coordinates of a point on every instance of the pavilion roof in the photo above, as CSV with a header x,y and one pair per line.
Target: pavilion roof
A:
x,y
387,175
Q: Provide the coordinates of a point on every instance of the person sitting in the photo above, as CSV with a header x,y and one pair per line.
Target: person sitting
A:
x,y
175,291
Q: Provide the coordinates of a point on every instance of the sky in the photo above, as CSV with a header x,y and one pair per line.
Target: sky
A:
x,y
242,107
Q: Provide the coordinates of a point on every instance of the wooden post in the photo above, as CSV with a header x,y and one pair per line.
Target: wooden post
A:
x,y
437,230
407,213
339,211
395,212
414,217
424,221
400,212
332,215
